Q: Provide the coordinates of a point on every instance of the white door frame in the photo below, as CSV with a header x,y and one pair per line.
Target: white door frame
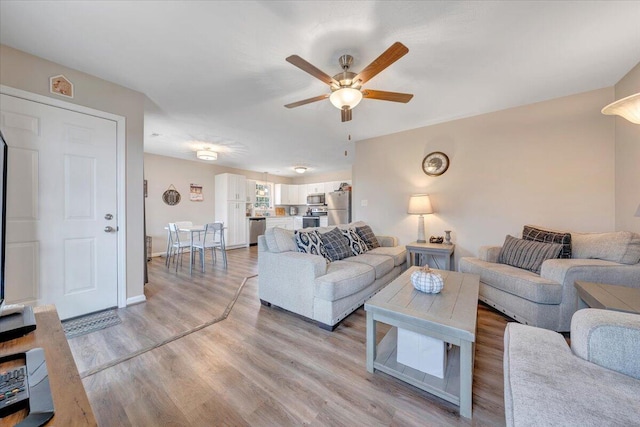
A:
x,y
120,172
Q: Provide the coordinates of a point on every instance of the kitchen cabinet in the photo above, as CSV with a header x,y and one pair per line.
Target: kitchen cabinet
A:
x,y
251,191
282,194
315,188
332,186
231,187
230,207
324,221
302,194
293,196
297,222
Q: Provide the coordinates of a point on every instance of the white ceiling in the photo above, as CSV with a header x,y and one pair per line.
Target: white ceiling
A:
x,y
215,72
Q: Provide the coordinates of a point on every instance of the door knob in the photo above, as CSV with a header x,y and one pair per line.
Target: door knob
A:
x,y
109,229
108,216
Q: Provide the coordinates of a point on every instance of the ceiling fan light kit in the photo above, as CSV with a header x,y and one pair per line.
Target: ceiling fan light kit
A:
x,y
628,107
346,87
207,155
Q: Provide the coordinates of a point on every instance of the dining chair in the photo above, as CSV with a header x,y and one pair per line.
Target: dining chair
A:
x,y
185,237
213,239
177,245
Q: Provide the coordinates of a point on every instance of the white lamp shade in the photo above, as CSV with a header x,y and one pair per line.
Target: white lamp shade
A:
x,y
207,155
628,107
420,204
345,96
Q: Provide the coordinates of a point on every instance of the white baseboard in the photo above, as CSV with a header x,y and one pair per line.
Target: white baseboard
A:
x,y
136,300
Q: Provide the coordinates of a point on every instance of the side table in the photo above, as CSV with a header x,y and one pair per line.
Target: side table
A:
x,y
608,297
420,250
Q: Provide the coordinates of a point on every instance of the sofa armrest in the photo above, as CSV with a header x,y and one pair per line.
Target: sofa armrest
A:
x,y
489,253
607,338
387,241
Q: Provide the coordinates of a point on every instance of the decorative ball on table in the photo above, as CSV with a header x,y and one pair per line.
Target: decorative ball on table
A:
x,y
426,280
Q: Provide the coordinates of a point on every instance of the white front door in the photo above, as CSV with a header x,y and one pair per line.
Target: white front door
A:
x,y
61,196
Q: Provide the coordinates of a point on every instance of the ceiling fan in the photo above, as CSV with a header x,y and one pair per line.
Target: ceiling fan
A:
x,y
346,87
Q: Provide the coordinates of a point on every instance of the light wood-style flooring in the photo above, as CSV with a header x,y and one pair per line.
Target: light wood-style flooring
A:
x,y
259,366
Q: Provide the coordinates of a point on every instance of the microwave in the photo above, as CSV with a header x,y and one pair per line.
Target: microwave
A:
x,y
315,199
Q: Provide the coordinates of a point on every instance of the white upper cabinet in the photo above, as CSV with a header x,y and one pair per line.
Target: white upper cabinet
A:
x,y
282,194
251,191
315,188
231,187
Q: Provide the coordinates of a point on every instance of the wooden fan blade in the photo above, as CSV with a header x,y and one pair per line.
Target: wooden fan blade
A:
x,y
311,69
387,96
388,57
307,101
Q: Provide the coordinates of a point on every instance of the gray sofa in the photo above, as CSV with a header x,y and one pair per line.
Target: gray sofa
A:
x,y
324,292
596,382
549,299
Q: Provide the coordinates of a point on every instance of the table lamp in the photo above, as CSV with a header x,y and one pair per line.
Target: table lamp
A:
x,y
419,204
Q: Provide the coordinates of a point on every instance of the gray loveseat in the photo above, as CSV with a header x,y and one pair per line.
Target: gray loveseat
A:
x,y
325,292
549,299
596,382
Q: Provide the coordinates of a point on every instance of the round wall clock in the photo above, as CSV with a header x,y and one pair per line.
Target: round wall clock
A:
x,y
435,164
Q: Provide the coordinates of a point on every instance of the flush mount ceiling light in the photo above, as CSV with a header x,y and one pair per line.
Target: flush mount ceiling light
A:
x,y
300,169
207,155
628,107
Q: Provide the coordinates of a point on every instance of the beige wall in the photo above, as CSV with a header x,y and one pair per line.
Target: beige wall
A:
x,y
550,163
627,158
330,176
30,73
161,172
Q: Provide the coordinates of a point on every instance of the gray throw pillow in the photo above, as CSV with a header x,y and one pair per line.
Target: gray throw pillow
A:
x,y
527,254
336,244
537,234
366,233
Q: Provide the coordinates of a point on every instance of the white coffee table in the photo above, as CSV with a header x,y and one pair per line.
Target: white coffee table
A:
x,y
449,316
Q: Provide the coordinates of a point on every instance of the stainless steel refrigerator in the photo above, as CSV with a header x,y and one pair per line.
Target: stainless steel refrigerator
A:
x,y
339,207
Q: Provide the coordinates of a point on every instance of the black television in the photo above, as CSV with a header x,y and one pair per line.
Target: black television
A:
x,y
3,211
15,320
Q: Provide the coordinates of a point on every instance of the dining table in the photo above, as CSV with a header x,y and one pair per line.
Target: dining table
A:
x,y
192,230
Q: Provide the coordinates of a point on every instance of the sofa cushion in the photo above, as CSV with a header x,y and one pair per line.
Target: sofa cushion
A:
x,y
366,233
309,242
357,245
343,279
398,253
544,235
619,246
527,254
336,244
280,240
513,280
381,263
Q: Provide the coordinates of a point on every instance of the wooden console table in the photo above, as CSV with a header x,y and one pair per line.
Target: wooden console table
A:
x,y
72,407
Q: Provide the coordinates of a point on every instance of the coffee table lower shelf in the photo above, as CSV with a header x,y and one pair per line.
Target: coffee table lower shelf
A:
x,y
447,388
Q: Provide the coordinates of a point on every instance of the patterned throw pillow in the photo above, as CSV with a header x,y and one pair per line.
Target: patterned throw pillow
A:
x,y
366,233
549,236
357,245
309,242
336,244
527,254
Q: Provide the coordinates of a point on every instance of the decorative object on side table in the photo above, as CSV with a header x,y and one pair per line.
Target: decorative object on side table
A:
x,y
437,240
427,281
420,204
435,164
447,237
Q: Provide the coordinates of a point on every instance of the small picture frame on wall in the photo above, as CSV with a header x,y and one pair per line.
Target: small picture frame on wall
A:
x,y
60,85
